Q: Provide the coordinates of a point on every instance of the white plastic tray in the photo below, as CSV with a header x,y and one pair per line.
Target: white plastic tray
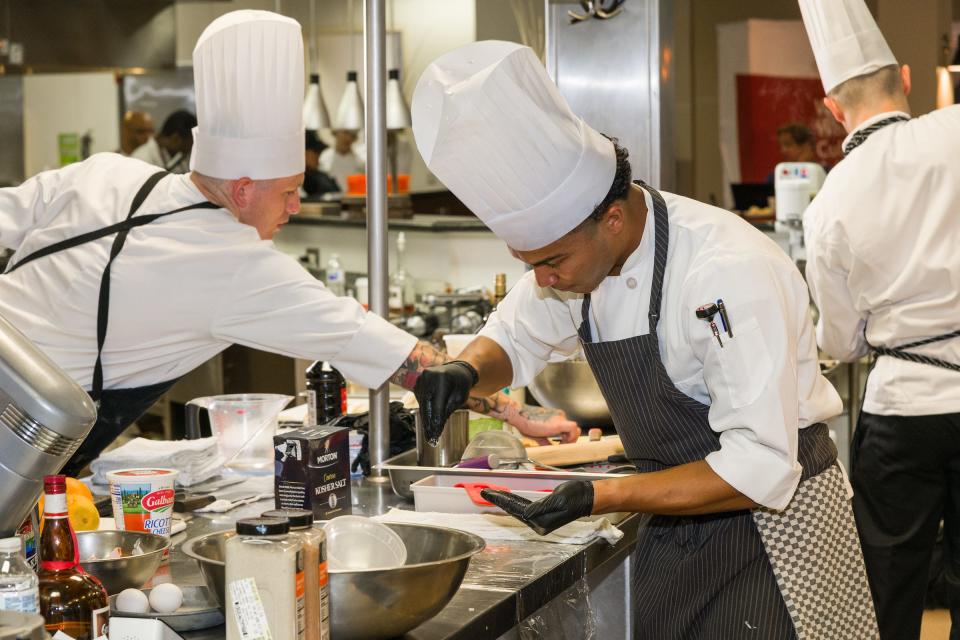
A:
x,y
404,473
438,493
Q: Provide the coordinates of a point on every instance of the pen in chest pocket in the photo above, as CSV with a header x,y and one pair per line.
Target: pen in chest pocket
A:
x,y
724,318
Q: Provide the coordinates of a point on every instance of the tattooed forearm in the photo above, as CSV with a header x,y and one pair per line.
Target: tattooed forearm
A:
x,y
423,355
495,406
538,413
426,355
500,406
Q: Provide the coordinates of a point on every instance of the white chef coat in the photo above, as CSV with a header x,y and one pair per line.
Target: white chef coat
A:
x,y
883,251
184,287
340,165
151,152
761,386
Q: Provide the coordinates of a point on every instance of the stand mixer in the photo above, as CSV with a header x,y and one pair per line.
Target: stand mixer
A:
x,y
795,185
44,417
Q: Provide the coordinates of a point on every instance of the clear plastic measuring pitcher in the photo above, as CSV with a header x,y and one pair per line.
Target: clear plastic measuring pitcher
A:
x,y
244,426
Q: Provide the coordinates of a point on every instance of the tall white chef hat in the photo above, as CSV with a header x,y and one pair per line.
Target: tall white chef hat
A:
x,y
845,39
493,127
248,74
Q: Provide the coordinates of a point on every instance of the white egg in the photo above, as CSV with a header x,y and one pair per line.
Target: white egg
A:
x,y
166,598
132,601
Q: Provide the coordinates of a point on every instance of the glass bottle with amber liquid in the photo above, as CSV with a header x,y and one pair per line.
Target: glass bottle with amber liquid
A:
x,y
71,600
499,289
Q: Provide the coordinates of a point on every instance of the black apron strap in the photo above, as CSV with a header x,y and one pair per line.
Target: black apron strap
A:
x,y
901,353
661,246
144,191
118,227
122,229
861,136
103,303
586,333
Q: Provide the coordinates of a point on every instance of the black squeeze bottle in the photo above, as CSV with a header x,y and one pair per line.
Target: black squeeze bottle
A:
x,y
326,394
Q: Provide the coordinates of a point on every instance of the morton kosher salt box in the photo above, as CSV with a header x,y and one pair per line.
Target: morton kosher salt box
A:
x,y
312,471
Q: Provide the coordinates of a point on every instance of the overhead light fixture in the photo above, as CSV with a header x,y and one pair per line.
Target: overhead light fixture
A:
x,y
315,114
398,113
350,112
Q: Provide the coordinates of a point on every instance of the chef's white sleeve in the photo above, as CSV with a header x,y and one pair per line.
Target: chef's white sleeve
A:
x,y
33,203
752,378
275,305
534,326
841,325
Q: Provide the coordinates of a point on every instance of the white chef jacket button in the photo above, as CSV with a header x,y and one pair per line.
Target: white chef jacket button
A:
x,y
632,283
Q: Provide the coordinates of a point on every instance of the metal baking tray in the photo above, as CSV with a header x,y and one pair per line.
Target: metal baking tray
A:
x,y
403,471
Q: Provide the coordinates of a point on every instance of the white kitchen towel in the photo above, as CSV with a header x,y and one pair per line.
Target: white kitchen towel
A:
x,y
196,460
494,527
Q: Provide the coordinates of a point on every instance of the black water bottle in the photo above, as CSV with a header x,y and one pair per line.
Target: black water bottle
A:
x,y
326,393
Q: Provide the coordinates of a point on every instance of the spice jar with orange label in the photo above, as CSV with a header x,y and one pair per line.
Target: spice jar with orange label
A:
x,y
265,582
317,592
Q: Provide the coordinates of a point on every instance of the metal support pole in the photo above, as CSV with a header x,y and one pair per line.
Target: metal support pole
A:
x,y
375,104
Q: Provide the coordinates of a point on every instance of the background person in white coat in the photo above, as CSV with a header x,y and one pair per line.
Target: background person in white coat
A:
x,y
722,413
128,277
883,264
342,160
170,149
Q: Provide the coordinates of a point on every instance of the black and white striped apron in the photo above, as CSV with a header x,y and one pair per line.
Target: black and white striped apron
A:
x,y
746,574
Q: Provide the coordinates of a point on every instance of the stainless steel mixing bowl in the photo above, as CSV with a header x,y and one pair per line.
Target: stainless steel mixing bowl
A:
x,y
380,603
142,553
571,386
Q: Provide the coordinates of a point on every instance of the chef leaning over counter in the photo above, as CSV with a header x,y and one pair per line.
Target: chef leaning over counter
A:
x,y
721,411
128,278
883,265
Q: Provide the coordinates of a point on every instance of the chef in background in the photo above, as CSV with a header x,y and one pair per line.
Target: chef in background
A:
x,y
697,329
796,143
170,149
135,130
315,182
342,159
129,277
883,265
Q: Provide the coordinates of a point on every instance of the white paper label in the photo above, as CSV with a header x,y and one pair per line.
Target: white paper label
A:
x,y
251,619
60,635
324,612
299,588
25,600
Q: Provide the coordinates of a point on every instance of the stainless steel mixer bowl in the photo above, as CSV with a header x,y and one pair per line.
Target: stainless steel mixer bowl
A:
x,y
142,553
379,603
571,386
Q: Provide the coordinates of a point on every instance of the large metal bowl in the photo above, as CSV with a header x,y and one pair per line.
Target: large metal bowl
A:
x,y
142,553
571,386
380,603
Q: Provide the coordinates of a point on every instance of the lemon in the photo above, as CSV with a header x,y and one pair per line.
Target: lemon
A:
x,y
75,487
82,513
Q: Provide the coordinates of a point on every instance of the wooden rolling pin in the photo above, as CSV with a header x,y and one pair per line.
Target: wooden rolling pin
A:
x,y
561,455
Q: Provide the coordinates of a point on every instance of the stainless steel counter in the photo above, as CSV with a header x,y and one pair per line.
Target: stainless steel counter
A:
x,y
512,589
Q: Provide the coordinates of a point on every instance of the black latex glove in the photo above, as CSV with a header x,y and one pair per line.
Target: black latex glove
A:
x,y
513,504
441,390
569,501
